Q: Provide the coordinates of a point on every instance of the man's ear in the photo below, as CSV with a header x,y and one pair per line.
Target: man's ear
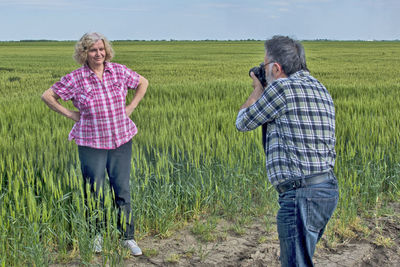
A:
x,y
278,68
278,71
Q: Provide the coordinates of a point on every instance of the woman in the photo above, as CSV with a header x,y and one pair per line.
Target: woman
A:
x,y
103,129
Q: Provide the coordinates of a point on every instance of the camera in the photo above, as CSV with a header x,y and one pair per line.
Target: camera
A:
x,y
260,74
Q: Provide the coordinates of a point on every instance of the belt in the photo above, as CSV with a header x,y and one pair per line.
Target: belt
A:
x,y
299,183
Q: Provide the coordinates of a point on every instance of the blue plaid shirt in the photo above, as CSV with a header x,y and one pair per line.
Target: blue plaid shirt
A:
x,y
300,118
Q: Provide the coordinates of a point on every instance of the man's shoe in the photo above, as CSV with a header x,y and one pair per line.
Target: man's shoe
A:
x,y
98,244
133,247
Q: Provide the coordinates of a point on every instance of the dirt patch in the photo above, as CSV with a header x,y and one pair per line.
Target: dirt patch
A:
x,y
249,246
255,243
255,246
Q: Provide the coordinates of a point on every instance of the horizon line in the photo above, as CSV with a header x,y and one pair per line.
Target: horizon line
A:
x,y
203,40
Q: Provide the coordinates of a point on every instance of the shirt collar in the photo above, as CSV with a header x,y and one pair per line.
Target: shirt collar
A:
x,y
87,72
300,73
108,67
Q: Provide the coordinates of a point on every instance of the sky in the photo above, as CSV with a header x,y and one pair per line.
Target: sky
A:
x,y
200,19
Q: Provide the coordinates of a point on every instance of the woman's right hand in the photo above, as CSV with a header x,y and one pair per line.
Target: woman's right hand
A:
x,y
51,99
75,115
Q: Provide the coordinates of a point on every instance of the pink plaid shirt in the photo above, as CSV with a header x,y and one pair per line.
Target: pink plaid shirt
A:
x,y
103,123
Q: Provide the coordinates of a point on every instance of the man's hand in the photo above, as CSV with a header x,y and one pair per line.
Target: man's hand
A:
x,y
256,82
256,94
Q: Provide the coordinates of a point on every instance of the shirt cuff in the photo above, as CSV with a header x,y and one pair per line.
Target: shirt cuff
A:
x,y
239,118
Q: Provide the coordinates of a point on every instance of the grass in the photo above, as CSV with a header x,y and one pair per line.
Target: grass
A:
x,y
382,241
205,231
173,258
151,252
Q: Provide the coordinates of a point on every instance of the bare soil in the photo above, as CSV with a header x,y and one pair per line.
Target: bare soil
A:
x,y
257,244
257,247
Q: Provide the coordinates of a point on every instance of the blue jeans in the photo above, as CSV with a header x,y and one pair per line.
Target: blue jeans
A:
x,y
301,220
117,162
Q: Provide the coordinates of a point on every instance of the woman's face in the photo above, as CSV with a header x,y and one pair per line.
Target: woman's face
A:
x,y
96,54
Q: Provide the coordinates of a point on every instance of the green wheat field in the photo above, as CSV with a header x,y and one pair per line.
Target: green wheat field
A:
x,y
188,158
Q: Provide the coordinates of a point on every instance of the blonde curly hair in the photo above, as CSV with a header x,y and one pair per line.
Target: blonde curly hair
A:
x,y
86,41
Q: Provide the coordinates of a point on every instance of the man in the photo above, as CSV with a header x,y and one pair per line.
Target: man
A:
x,y
298,116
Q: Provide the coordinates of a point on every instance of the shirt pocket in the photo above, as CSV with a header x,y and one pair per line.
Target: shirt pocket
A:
x,y
118,98
118,90
83,97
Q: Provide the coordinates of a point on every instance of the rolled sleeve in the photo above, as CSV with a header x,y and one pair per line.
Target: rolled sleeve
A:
x,y
239,121
131,78
64,88
269,106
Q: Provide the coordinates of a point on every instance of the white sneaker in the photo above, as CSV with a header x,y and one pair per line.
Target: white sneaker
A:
x,y
134,248
98,244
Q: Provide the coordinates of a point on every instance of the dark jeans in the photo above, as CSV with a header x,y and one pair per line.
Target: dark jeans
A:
x,y
117,162
301,220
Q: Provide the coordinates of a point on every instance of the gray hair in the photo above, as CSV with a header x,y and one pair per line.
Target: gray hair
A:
x,y
287,52
86,41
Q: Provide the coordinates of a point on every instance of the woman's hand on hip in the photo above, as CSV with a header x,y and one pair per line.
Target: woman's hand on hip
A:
x,y
129,110
75,115
51,100
139,93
